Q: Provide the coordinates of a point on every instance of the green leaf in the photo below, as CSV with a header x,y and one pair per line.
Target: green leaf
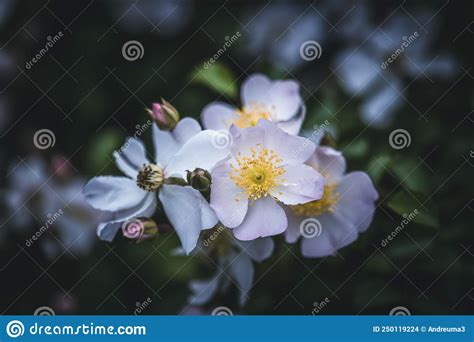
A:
x,y
411,174
357,149
378,166
405,204
217,77
100,151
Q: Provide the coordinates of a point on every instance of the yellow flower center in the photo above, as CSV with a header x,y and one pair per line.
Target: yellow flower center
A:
x,y
325,204
258,173
250,115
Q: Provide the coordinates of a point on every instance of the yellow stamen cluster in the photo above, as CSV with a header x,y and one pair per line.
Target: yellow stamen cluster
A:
x,y
258,173
250,115
325,204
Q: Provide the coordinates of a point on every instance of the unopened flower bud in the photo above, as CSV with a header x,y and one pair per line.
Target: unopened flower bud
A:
x,y
164,115
140,229
199,179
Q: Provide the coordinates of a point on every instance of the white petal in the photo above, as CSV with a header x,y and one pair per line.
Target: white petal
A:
x,y
292,233
293,126
228,201
357,199
113,193
336,232
184,208
328,162
131,157
167,143
284,97
28,175
107,230
204,290
146,208
201,151
255,89
379,108
352,215
218,116
301,184
258,249
242,271
293,150
443,66
264,218
208,215
185,130
357,71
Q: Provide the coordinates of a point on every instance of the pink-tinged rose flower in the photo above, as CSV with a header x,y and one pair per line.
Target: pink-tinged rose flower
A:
x,y
345,209
277,101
